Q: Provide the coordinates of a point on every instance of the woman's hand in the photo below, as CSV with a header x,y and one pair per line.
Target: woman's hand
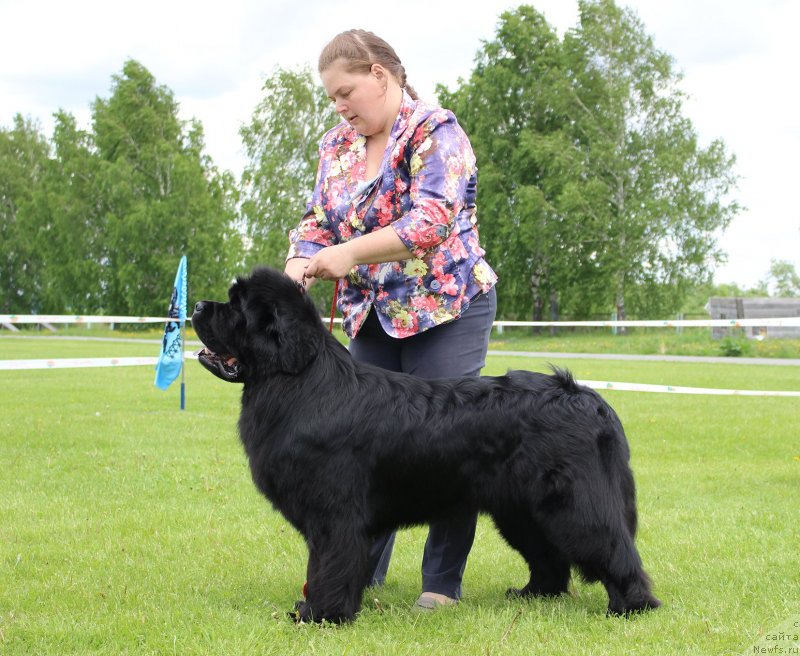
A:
x,y
332,262
296,268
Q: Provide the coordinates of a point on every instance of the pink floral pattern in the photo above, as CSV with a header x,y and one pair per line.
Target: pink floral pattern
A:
x,y
425,190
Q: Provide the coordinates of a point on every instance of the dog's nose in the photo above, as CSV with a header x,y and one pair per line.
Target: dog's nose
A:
x,y
199,306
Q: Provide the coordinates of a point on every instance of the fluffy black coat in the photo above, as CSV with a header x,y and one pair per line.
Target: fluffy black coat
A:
x,y
347,451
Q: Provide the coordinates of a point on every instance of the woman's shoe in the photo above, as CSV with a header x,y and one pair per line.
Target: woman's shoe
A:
x,y
429,601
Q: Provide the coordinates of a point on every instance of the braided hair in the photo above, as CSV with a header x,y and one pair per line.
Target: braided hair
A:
x,y
361,49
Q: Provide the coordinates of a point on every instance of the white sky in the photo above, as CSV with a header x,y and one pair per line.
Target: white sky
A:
x,y
739,59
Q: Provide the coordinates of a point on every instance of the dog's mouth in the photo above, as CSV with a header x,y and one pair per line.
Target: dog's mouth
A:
x,y
222,365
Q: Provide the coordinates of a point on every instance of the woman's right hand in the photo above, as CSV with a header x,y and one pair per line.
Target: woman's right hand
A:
x,y
296,270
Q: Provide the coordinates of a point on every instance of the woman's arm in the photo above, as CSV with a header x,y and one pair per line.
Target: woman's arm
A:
x,y
314,232
335,262
442,183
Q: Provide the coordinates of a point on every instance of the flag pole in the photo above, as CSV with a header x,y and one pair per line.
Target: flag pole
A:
x,y
183,364
183,337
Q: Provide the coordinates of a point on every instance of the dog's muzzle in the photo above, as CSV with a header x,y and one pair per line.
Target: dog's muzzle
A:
x,y
223,366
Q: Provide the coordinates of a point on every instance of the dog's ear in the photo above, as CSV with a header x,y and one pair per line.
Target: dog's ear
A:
x,y
297,341
283,326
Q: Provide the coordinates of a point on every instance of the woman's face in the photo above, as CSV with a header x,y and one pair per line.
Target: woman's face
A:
x,y
360,98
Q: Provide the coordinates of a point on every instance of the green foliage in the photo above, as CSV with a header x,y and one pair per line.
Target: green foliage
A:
x,y
663,193
593,187
24,153
509,108
734,346
67,217
100,223
281,143
784,278
163,198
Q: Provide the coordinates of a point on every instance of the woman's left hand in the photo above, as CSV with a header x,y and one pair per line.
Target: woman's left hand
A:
x,y
331,263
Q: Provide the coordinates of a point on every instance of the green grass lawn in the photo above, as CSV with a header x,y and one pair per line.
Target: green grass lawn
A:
x,y
130,527
649,341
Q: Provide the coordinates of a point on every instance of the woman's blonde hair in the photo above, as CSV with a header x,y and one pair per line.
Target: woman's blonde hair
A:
x,y
361,49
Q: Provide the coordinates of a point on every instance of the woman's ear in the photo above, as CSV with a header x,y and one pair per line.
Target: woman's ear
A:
x,y
379,72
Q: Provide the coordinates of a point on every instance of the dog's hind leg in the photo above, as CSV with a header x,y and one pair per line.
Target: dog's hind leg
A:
x,y
620,571
337,573
549,569
603,549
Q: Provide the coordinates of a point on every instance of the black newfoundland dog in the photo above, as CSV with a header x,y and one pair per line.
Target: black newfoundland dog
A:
x,y
347,451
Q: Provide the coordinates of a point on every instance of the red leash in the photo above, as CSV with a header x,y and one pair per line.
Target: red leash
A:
x,y
301,286
333,304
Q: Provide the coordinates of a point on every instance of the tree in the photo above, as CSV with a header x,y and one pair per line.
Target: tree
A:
x,y
162,197
783,278
66,215
98,220
510,108
23,158
593,189
663,196
282,144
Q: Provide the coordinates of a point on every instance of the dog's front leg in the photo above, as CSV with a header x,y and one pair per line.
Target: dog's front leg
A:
x,y
337,574
300,612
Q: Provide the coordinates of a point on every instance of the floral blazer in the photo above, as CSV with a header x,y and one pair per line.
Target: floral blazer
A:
x,y
425,191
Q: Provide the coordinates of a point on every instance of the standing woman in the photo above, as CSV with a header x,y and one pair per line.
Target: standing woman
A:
x,y
416,297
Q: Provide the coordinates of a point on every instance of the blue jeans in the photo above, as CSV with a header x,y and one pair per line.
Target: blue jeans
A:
x,y
457,348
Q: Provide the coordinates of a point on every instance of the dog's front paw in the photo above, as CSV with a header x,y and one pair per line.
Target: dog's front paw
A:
x,y
518,593
301,613
634,607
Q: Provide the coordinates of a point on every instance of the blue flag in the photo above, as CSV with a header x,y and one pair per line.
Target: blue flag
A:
x,y
171,359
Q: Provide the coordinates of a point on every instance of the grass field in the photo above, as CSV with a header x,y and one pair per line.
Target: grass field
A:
x,y
648,341
129,527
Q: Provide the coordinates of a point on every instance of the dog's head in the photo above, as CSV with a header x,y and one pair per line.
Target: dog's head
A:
x,y
267,326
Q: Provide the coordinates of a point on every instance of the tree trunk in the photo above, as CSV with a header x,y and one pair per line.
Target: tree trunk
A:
x,y
553,311
538,314
538,303
620,311
620,295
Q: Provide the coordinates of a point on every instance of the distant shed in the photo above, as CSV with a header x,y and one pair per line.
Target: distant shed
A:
x,y
720,307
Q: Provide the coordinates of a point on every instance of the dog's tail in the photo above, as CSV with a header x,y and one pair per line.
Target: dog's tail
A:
x,y
565,379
